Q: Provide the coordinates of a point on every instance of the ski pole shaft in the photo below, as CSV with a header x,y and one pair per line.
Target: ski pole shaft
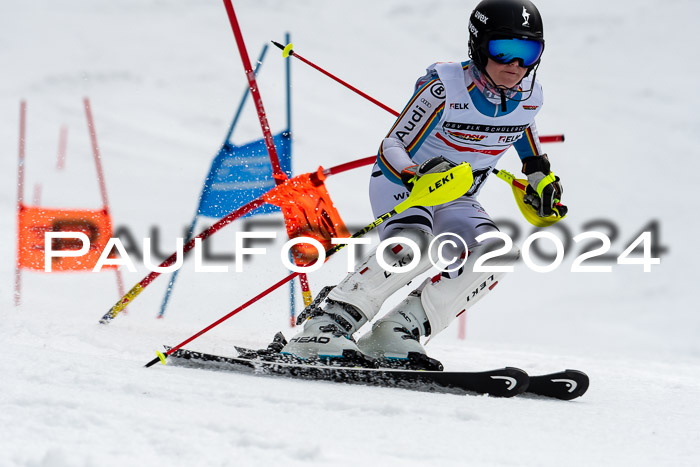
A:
x,y
509,178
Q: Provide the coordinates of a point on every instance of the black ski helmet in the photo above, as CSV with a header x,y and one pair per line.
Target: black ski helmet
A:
x,y
502,19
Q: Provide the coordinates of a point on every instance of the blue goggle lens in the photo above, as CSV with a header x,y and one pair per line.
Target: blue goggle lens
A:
x,y
507,50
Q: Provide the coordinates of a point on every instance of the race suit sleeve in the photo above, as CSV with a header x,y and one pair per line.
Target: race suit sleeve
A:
x,y
418,118
529,144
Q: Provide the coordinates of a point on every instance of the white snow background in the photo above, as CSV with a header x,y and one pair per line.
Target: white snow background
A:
x,y
164,78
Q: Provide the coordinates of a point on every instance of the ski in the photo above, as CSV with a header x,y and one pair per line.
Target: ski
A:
x,y
564,385
504,382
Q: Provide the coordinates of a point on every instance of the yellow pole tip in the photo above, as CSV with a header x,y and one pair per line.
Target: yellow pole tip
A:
x,y
287,51
161,356
308,298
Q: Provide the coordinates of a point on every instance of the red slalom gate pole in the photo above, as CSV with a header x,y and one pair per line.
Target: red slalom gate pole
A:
x,y
138,288
100,177
62,145
350,165
255,93
552,139
372,159
96,154
288,51
20,194
277,172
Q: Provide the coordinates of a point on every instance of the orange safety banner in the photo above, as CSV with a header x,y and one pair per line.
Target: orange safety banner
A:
x,y
35,221
308,212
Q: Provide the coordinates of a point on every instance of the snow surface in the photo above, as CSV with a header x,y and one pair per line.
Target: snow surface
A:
x,y
164,79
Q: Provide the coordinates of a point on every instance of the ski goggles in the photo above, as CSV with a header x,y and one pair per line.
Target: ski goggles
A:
x,y
507,50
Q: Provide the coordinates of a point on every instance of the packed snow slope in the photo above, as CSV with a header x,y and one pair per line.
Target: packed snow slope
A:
x,y
164,79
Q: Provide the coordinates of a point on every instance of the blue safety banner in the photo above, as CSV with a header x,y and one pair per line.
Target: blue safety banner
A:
x,y
240,174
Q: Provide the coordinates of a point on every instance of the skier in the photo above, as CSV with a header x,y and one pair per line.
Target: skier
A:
x,y
472,112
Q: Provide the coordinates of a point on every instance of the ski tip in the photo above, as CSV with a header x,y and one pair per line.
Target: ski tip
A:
x,y
564,385
583,382
575,382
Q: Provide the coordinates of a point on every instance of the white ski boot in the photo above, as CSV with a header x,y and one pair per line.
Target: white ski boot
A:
x,y
327,334
337,312
394,339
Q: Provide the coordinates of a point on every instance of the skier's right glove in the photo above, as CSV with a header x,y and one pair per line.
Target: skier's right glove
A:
x,y
544,189
410,174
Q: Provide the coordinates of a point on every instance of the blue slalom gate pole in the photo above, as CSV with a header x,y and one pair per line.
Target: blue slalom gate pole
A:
x,y
288,74
292,301
246,93
190,232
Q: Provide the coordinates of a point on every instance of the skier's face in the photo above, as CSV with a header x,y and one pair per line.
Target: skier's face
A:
x,y
507,75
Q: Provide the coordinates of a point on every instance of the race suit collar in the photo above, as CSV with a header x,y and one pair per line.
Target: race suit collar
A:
x,y
490,92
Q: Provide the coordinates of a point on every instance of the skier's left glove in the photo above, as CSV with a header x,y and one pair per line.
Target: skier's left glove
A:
x,y
413,172
544,189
